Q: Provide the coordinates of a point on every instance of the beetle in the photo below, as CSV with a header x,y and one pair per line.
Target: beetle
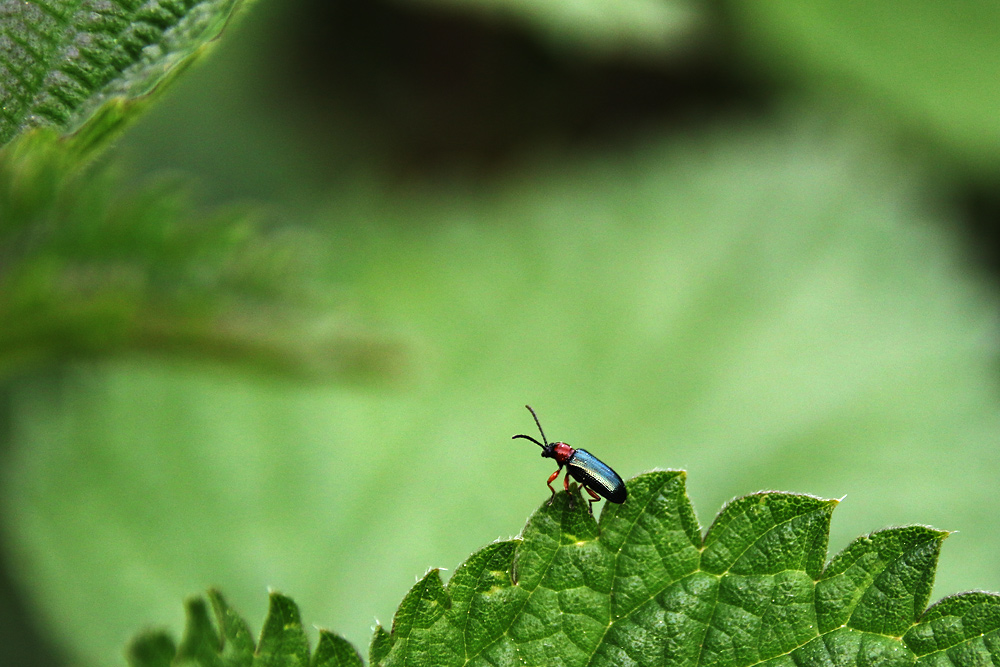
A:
x,y
593,474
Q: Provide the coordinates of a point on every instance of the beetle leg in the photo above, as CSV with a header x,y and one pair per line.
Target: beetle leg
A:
x,y
593,499
552,478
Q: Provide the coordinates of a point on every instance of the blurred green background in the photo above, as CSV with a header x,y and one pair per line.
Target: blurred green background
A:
x,y
754,240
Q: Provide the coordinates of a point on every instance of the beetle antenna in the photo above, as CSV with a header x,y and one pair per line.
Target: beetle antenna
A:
x,y
528,437
538,424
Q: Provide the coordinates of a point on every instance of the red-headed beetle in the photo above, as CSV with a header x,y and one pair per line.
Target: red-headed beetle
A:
x,y
593,474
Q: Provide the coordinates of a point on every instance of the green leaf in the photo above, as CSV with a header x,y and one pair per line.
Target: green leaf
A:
x,y
237,642
335,651
63,62
86,273
860,586
963,629
935,65
641,588
282,642
201,643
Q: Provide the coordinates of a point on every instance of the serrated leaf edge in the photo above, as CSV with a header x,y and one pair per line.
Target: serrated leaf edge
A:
x,y
383,641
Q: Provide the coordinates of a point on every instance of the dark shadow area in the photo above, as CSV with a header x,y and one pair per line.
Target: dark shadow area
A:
x,y
439,89
980,208
22,642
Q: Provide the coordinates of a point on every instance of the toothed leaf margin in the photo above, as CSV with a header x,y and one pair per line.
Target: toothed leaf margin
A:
x,y
642,588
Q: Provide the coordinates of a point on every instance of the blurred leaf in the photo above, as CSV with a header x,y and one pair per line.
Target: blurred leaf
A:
x,y
62,62
236,642
934,63
200,645
642,588
642,27
282,642
86,273
152,649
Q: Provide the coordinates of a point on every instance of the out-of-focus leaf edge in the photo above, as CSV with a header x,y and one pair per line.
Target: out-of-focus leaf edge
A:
x,y
246,303
94,130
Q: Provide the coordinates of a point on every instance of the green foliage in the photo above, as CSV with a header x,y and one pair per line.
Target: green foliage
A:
x,y
935,65
282,641
86,272
66,62
641,588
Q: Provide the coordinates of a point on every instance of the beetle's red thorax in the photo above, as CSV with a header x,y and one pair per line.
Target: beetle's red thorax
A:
x,y
562,452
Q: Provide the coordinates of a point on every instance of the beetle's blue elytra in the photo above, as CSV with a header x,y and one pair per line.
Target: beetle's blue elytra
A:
x,y
593,474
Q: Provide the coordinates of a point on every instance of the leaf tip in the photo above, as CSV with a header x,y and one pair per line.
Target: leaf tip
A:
x,y
380,645
333,650
279,603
